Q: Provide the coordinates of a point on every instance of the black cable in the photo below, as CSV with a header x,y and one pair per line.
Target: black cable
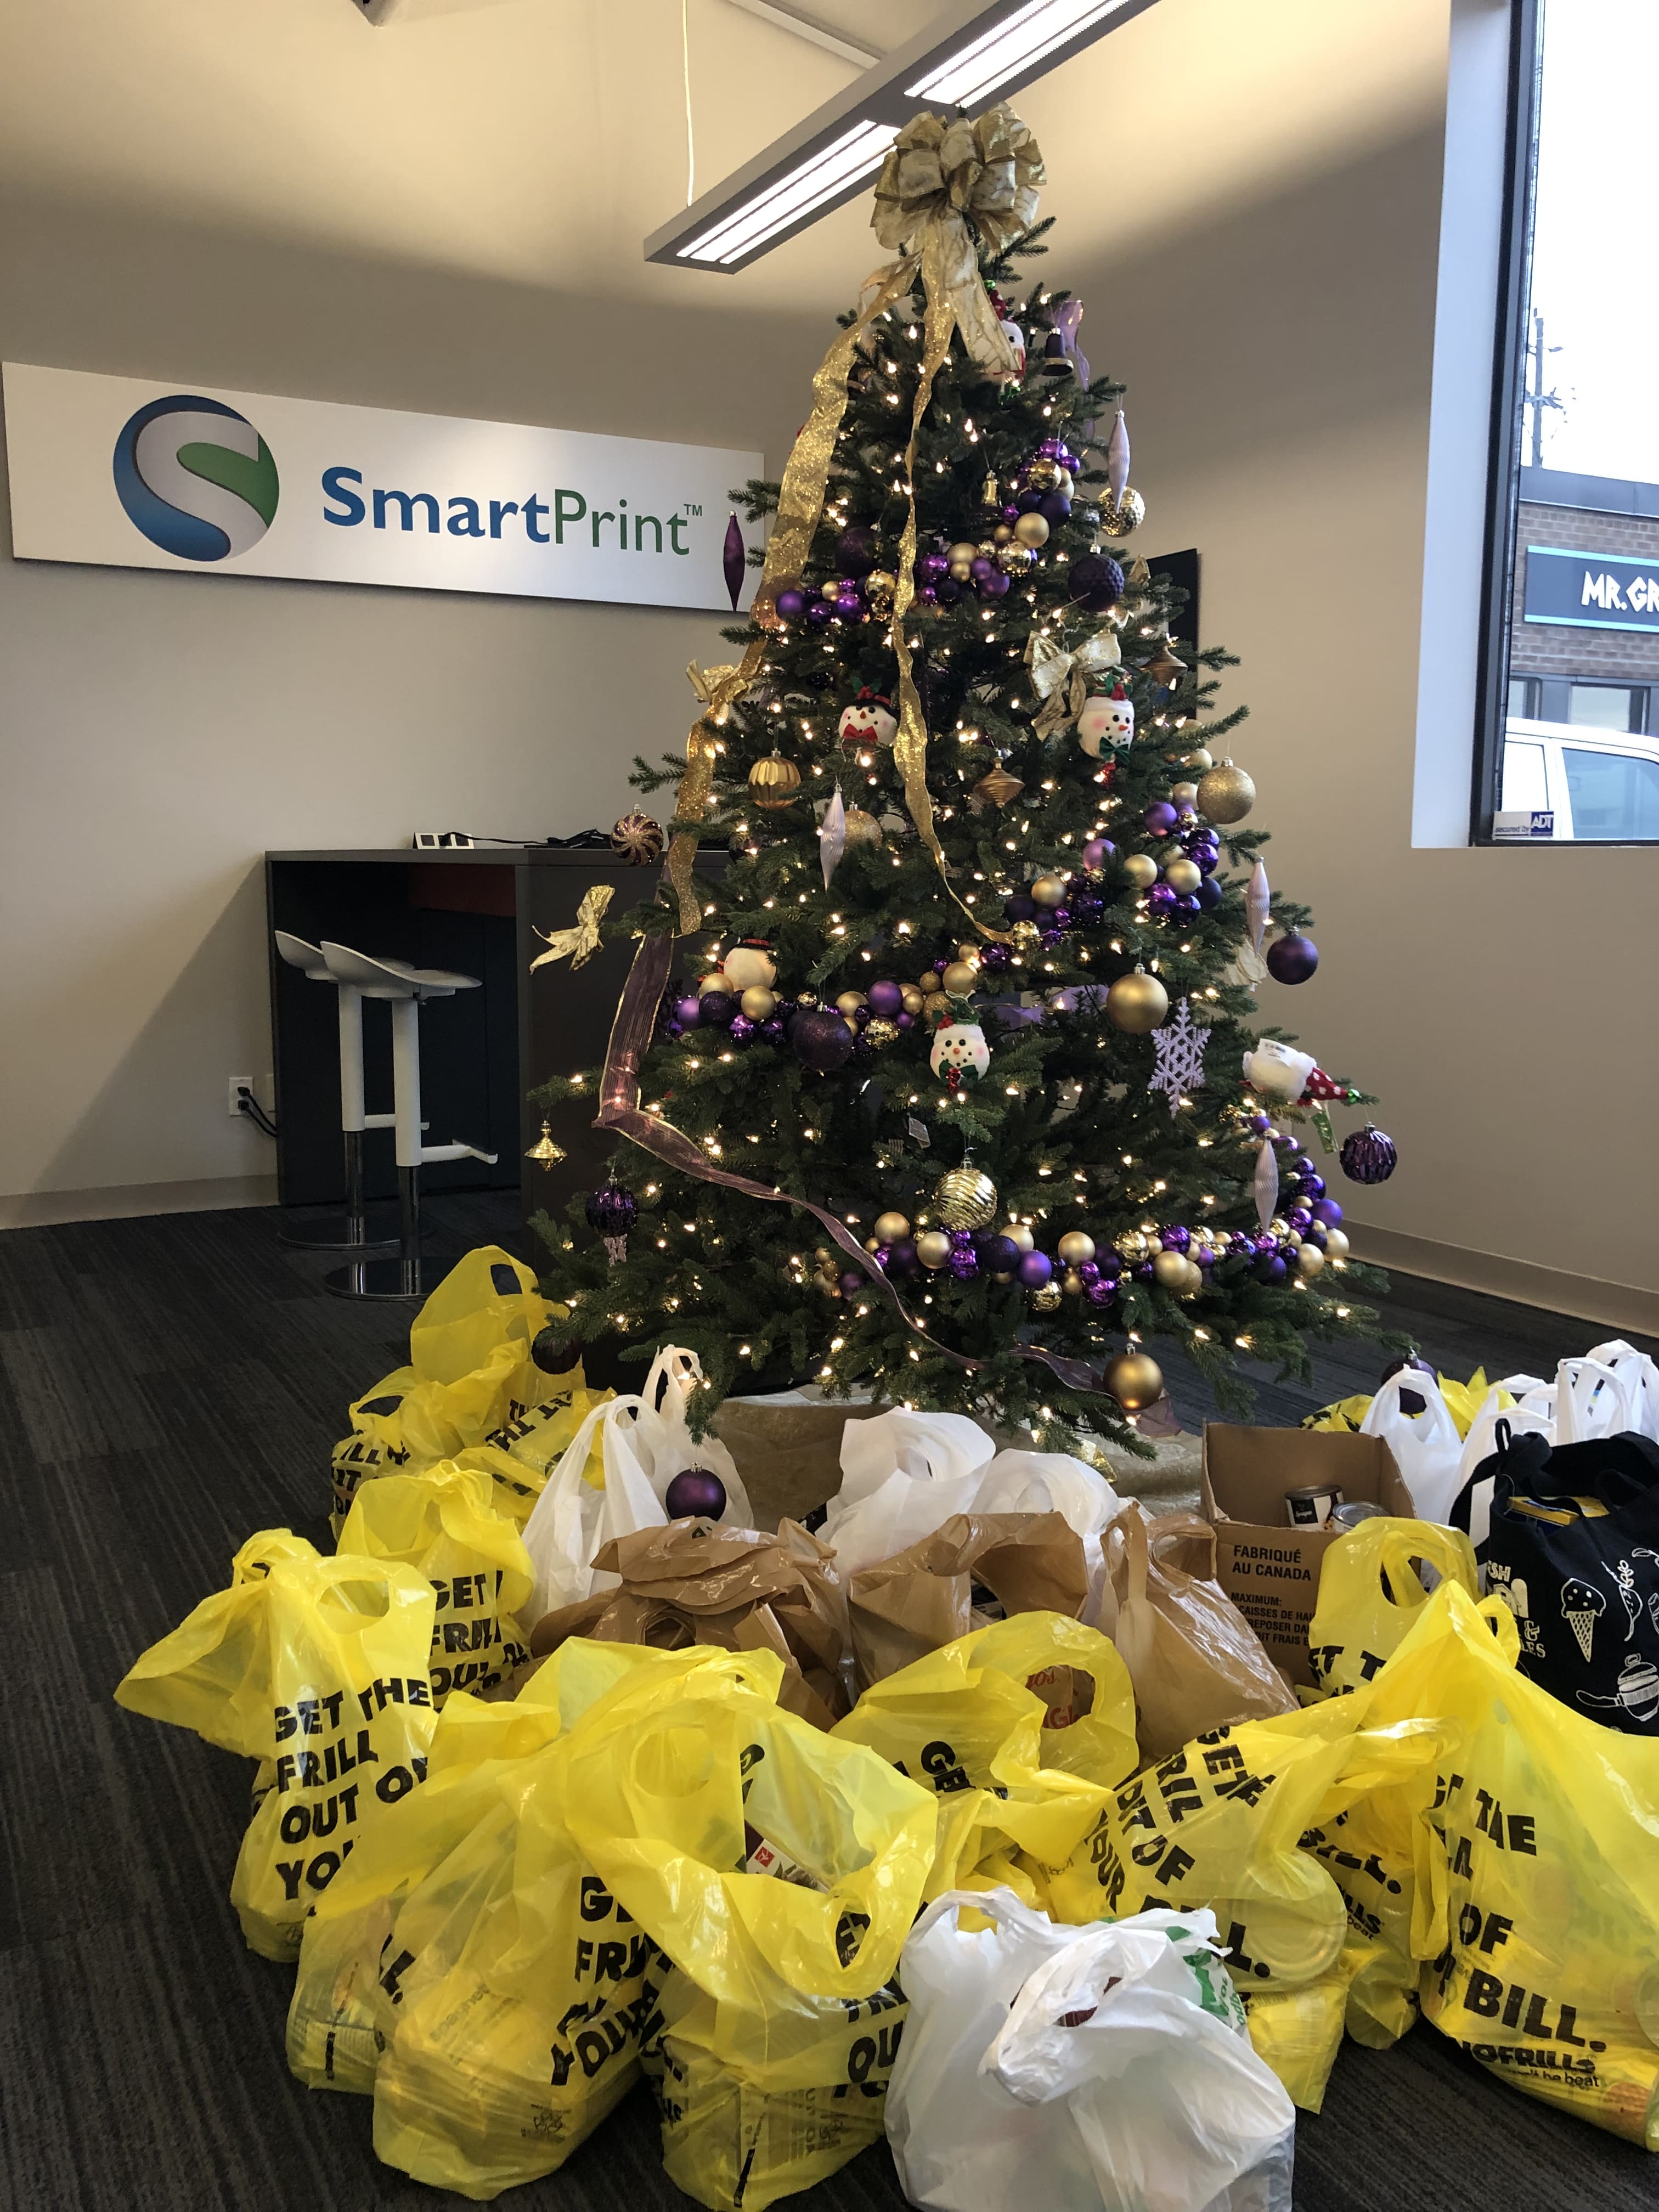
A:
x,y
248,1105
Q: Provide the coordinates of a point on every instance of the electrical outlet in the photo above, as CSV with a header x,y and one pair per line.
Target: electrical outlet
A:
x,y
237,1084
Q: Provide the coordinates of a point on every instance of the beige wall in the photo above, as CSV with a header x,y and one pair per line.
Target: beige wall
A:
x,y
160,732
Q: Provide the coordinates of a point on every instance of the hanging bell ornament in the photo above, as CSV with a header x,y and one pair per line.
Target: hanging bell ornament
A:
x,y
1225,794
965,1197
1135,1380
1137,1003
546,1153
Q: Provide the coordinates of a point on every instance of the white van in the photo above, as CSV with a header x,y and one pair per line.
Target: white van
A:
x,y
1596,783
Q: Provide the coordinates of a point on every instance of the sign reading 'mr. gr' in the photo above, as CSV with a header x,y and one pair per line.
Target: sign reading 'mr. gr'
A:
x,y
1591,591
108,469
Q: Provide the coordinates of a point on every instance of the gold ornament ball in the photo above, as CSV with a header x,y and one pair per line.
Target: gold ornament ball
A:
x,y
872,1244
758,1003
1050,890
1024,937
862,829
1183,794
1047,1299
773,781
746,964
1134,1381
1194,1280
1183,875
1336,1244
1170,1270
806,1000
961,557
879,1033
1309,1260
830,589
965,1197
712,981
1130,1245
1277,1226
1225,794
1031,530
1137,1003
879,587
1066,485
1018,1232
912,996
959,979
1200,757
1015,558
929,984
1002,535
1129,514
849,1002
890,1226
1141,869
1072,1283
969,952
933,1248
1043,473
1076,1247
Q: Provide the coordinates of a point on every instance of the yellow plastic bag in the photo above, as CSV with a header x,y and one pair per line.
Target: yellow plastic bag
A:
x,y
335,2031
318,1668
1370,1594
513,1994
1298,2032
1219,1824
1538,1863
1463,1401
780,1870
445,1525
471,1380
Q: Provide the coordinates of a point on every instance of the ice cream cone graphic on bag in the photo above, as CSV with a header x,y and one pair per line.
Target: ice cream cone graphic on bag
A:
x,y
1582,1607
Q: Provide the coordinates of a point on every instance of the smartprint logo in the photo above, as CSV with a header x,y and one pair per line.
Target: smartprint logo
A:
x,y
196,478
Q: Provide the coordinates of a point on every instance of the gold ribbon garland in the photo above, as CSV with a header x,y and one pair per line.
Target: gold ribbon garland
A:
x,y
580,944
938,179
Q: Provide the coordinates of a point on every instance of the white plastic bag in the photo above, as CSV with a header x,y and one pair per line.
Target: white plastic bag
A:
x,y
1639,1374
902,1473
1591,1399
645,1444
1102,2070
1426,1446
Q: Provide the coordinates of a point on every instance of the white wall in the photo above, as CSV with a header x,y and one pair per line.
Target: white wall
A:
x,y
160,732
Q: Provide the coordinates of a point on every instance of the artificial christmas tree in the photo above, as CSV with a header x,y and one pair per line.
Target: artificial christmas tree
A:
x,y
940,1090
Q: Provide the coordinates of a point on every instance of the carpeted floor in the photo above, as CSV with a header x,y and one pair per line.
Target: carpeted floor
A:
x,y
169,1385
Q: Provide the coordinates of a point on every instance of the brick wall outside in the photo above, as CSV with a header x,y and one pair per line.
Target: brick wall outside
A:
x,y
1544,649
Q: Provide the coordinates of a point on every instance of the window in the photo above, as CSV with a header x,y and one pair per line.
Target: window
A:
x,y
1571,587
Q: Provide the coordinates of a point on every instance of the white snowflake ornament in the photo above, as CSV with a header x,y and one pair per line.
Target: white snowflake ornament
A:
x,y
1106,720
869,720
1178,1049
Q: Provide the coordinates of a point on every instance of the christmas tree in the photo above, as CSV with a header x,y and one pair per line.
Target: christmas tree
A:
x,y
952,1085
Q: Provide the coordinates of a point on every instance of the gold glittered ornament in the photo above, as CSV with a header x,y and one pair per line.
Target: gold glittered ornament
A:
x,y
1031,530
862,829
1014,558
997,788
1042,473
1046,1297
1129,512
1130,1244
1075,1247
879,1033
929,983
933,1248
879,587
773,781
1141,870
1225,794
959,979
965,1197
1135,1380
638,839
1137,1003
1024,937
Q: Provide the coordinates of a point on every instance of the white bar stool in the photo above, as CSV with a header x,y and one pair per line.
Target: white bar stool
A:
x,y
358,1227
406,989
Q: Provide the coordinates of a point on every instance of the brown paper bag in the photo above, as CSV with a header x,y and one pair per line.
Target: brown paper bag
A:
x,y
1195,1662
923,1597
745,1590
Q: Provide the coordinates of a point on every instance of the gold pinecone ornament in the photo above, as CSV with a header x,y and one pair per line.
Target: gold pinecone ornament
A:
x,y
965,1197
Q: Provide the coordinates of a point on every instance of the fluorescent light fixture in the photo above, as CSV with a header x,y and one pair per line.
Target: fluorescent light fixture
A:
x,y
967,60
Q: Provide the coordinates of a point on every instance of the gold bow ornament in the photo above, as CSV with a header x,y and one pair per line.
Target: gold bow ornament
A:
x,y
1064,680
580,944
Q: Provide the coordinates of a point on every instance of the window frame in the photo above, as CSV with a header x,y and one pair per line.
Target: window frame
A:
x,y
1507,427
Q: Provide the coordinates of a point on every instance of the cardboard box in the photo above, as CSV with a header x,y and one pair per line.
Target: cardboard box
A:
x,y
1269,1568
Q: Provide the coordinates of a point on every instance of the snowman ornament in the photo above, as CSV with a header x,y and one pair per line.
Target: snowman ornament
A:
x,y
1107,719
868,720
960,1054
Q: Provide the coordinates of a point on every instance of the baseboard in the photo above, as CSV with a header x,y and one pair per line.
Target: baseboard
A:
x,y
1616,1305
38,1209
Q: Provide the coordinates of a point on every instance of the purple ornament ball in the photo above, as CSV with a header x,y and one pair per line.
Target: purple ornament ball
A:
x,y
818,614
963,1263
1029,500
994,959
1174,1238
1270,1269
1160,898
886,999
1188,903
856,550
695,1490
1328,1212
791,603
1097,851
904,1021
612,1210
979,568
1313,1186
688,1011
928,596
1018,907
1035,1269
995,586
1292,959
1000,1254
1315,1234
1097,582
1299,1219
1107,1262
851,1281
674,1030
1012,512
742,1030
1101,1294
1089,1272
1367,1156
1208,896
1055,507
902,1257
771,1029
933,568
1160,817
718,1009
947,591
821,1040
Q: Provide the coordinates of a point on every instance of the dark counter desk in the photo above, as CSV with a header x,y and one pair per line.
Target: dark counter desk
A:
x,y
481,1051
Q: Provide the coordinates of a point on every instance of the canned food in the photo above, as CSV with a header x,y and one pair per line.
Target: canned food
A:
x,y
1350,1517
1312,1508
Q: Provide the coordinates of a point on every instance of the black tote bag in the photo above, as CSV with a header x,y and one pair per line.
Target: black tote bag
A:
x,y
1572,1547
